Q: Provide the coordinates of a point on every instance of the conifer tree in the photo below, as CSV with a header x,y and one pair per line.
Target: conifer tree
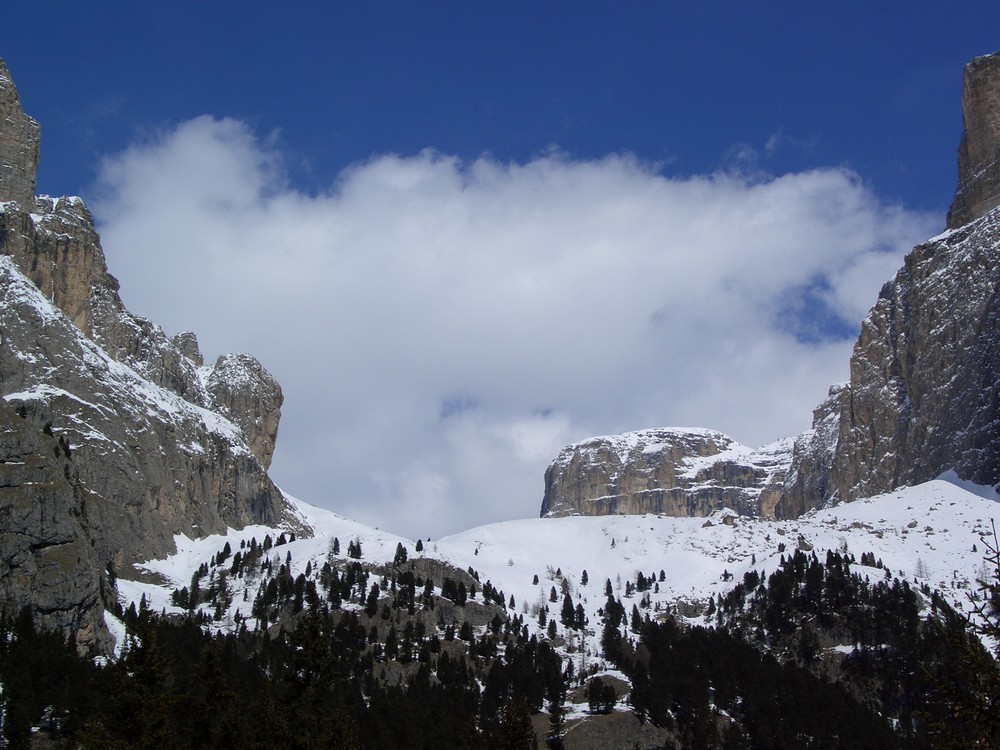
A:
x,y
400,557
516,732
568,614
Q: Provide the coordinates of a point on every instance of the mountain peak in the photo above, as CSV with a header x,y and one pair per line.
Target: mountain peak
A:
x,y
978,189
19,139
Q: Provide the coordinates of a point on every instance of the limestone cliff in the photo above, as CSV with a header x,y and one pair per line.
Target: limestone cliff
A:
x,y
979,150
924,391
169,445
924,394
674,472
49,559
19,139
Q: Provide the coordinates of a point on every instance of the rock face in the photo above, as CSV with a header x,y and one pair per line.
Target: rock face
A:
x,y
675,472
812,478
979,151
923,397
244,392
51,561
924,394
169,445
19,139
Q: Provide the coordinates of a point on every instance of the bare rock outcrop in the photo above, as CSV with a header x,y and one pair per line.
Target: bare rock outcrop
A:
x,y
244,392
924,391
19,140
49,560
172,446
57,248
167,466
812,477
924,394
674,472
979,150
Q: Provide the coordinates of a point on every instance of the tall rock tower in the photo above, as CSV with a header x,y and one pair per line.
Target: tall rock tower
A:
x,y
979,151
19,138
924,394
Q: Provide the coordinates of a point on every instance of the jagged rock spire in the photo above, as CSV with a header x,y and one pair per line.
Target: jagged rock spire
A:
x,y
978,189
19,139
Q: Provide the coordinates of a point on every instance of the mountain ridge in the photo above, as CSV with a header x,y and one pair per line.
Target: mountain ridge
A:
x,y
156,442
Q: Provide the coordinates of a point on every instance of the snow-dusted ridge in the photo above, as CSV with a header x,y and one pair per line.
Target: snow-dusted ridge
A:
x,y
130,390
678,471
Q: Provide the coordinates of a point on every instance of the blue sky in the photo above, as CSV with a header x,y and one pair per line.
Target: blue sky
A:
x,y
873,86
463,235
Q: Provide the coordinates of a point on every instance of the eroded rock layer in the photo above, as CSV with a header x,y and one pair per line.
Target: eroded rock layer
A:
x,y
978,189
674,472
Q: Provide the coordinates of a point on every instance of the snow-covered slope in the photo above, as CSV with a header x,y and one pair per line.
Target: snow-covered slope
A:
x,y
929,534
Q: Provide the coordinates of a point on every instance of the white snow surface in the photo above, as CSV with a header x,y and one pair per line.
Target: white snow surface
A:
x,y
930,533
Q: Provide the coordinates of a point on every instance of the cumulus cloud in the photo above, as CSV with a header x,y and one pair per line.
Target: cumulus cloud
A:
x,y
442,328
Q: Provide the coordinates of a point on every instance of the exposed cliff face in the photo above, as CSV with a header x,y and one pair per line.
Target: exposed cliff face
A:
x,y
19,139
168,445
49,560
674,472
241,390
924,392
167,465
56,246
979,150
924,395
812,478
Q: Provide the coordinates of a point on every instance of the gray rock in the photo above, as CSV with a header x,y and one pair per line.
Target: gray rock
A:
x,y
172,446
19,139
924,396
49,559
166,466
674,472
979,150
244,392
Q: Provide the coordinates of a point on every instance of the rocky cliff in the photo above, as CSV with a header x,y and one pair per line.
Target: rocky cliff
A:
x,y
924,391
979,150
924,394
19,139
171,446
674,472
50,559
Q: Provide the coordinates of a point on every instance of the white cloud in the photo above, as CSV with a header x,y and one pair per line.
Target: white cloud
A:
x,y
442,328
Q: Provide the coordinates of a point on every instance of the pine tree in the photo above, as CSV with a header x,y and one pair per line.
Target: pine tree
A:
x,y
400,557
516,732
568,614
975,688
